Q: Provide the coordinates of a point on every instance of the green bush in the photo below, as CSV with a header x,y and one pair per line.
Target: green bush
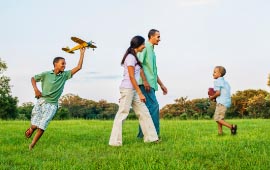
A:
x,y
183,116
22,117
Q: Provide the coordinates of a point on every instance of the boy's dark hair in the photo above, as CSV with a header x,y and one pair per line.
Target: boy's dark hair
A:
x,y
56,59
152,33
222,70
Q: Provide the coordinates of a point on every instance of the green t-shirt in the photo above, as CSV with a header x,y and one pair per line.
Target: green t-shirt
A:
x,y
52,84
148,60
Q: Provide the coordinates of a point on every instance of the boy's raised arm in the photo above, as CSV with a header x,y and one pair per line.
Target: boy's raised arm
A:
x,y
79,66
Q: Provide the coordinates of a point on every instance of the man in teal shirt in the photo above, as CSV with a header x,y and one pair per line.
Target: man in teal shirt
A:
x,y
150,85
52,84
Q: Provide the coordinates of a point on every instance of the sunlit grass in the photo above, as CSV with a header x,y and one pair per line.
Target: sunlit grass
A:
x,y
82,144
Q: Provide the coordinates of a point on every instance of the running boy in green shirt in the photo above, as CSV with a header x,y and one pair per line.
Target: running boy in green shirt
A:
x,y
52,84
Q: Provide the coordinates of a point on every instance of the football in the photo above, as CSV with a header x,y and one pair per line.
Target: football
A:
x,y
211,91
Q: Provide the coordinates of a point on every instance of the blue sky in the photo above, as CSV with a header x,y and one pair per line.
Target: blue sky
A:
x,y
196,35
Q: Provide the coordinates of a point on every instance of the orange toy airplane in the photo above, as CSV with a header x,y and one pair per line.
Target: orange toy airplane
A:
x,y
81,43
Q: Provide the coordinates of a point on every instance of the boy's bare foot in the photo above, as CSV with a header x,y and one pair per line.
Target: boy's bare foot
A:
x,y
220,132
28,133
30,147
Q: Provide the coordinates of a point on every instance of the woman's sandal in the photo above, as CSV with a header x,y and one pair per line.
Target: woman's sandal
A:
x,y
28,133
234,129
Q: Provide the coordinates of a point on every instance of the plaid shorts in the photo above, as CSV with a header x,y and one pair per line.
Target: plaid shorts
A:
x,y
220,112
42,113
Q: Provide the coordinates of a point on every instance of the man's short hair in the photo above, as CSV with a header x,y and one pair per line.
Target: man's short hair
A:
x,y
152,33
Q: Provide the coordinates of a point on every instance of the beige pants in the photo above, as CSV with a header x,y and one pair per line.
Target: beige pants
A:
x,y
129,97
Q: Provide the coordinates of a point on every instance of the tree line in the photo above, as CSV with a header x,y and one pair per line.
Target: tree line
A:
x,y
74,107
8,103
245,104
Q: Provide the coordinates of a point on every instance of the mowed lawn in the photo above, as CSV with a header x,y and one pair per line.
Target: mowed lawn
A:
x,y
83,144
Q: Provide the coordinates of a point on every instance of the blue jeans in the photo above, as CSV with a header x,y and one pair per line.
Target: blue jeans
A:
x,y
153,107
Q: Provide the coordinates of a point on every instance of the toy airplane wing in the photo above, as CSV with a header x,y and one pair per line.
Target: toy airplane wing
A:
x,y
77,40
67,49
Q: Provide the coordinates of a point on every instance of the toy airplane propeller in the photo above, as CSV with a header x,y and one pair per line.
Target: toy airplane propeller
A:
x,y
81,43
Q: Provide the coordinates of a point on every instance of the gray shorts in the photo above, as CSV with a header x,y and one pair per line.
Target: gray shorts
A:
x,y
42,113
220,112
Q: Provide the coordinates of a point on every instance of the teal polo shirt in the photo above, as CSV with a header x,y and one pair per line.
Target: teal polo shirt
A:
x,y
52,84
148,60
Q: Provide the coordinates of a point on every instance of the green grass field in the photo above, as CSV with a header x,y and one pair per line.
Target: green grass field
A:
x,y
83,144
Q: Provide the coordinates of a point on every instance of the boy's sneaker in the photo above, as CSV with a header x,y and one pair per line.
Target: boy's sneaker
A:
x,y
234,129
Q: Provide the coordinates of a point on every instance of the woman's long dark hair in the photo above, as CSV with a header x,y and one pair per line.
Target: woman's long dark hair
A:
x,y
135,42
